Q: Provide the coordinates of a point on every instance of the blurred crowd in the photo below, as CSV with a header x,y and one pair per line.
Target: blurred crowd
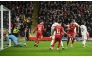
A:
x,y
65,12
21,15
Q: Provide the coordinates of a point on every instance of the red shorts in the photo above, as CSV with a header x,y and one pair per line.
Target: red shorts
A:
x,y
58,39
71,34
58,36
39,35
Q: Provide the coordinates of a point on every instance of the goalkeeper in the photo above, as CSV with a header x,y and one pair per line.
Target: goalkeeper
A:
x,y
15,40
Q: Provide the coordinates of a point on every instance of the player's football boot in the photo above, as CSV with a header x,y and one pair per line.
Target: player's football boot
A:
x,y
34,45
83,46
62,48
51,48
57,48
71,45
25,44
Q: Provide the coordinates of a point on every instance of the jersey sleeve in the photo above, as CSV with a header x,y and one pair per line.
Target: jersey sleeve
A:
x,y
67,26
54,28
36,28
77,24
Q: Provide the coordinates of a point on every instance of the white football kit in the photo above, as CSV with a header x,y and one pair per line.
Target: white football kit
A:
x,y
52,28
84,34
83,31
53,36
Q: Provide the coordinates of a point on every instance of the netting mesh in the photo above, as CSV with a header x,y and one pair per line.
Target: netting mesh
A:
x,y
5,27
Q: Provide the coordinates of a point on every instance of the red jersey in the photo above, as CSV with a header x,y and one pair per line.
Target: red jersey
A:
x,y
59,31
39,28
72,27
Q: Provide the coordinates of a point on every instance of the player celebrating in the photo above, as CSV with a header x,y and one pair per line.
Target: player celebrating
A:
x,y
15,40
83,33
39,28
71,32
59,30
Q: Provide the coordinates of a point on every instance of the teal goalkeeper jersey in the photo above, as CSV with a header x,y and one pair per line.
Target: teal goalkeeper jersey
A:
x,y
13,38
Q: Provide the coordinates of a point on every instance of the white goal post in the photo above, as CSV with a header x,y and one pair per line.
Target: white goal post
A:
x,y
2,9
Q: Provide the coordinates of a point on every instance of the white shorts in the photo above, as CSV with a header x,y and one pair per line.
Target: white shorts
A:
x,y
84,37
53,36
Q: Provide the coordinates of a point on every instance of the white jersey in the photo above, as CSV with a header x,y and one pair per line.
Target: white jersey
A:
x,y
53,26
83,30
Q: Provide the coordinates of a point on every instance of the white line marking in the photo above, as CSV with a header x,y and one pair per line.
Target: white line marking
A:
x,y
5,48
88,46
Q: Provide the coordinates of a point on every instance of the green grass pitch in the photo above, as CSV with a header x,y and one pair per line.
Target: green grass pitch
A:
x,y
43,50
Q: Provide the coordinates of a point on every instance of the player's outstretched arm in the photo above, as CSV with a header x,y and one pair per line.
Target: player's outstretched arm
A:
x,y
68,28
33,31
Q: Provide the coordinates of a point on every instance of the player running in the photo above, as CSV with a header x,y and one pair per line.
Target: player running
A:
x,y
59,30
71,32
15,40
83,33
75,28
53,35
39,28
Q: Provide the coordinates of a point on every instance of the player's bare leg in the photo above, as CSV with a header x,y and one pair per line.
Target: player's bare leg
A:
x,y
53,45
84,42
73,38
52,41
58,45
68,40
35,43
62,44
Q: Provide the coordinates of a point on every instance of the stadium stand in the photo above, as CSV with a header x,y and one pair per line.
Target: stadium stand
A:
x,y
48,11
21,14
65,11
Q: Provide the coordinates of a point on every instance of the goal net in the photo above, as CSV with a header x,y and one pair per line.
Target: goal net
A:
x,y
4,26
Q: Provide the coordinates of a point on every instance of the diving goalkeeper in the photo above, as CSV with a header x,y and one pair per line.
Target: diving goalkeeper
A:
x,y
15,41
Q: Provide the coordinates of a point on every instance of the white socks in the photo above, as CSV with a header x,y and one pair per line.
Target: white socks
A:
x,y
62,44
52,41
84,42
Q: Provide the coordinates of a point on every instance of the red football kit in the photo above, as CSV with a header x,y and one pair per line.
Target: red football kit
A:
x,y
58,36
39,29
71,31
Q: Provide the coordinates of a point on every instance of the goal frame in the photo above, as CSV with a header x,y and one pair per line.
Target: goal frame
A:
x,y
3,8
